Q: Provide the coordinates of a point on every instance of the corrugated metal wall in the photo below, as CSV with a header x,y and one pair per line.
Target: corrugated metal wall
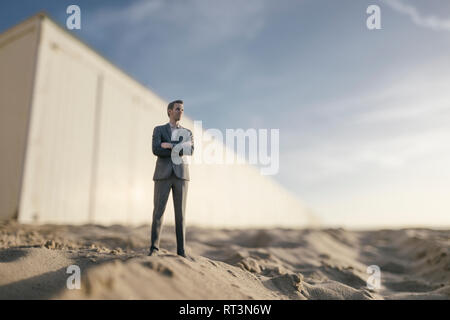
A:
x,y
17,61
89,155
59,160
125,160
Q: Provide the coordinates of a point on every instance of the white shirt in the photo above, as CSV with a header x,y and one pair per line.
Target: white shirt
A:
x,y
174,133
173,128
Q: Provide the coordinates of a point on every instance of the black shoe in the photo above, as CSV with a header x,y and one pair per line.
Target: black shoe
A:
x,y
153,251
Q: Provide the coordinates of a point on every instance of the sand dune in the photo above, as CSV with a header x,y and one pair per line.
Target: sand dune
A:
x,y
222,264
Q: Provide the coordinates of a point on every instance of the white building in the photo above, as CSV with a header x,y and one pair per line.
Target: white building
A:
x,y
75,144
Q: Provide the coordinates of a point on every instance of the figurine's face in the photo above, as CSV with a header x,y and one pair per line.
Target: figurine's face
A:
x,y
177,111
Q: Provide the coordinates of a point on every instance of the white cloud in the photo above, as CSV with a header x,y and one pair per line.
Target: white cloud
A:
x,y
384,130
194,23
417,17
379,157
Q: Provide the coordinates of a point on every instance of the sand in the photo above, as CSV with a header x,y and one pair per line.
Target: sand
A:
x,y
222,264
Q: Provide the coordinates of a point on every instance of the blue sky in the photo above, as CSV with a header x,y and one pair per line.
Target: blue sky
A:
x,y
364,116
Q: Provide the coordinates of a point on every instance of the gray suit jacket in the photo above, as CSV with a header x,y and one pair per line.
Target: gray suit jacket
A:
x,y
164,163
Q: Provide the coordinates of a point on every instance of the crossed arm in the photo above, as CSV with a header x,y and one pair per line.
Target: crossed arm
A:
x,y
164,149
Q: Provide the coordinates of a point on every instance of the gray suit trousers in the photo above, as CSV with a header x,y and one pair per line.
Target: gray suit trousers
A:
x,y
179,194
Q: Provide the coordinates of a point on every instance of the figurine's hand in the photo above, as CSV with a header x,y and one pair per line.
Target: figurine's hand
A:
x,y
166,145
